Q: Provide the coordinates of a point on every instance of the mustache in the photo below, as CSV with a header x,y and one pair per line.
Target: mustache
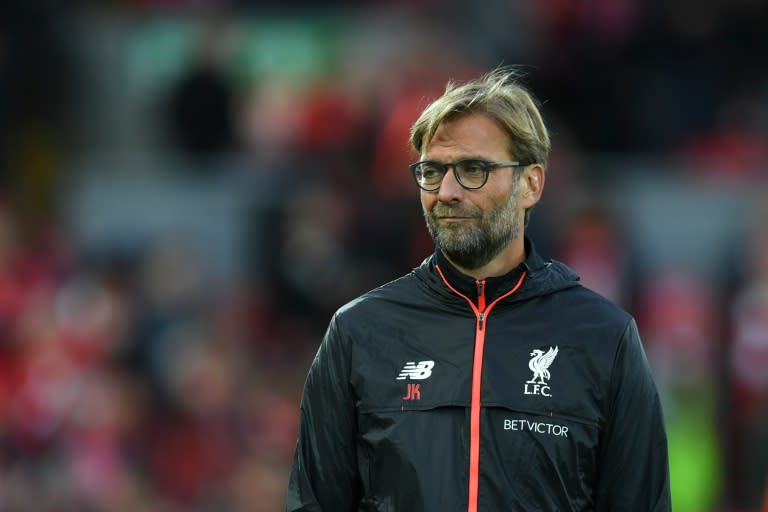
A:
x,y
442,210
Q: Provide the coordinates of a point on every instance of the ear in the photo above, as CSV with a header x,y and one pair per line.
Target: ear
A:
x,y
531,185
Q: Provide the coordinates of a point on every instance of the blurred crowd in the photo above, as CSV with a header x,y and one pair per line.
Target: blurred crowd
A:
x,y
190,190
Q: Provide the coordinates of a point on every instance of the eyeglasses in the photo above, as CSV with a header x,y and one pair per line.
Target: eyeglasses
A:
x,y
471,174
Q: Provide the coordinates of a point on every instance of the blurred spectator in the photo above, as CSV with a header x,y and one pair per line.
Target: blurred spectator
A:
x,y
202,102
735,146
679,322
318,269
748,368
34,53
408,92
593,248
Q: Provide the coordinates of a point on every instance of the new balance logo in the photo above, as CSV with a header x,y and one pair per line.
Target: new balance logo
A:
x,y
416,371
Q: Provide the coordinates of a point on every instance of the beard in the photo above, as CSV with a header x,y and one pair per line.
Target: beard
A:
x,y
472,245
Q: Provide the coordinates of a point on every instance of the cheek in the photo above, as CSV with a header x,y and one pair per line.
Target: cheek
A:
x,y
497,204
427,200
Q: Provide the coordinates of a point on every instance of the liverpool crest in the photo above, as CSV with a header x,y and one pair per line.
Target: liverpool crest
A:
x,y
539,365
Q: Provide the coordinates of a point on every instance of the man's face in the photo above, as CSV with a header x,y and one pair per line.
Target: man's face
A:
x,y
471,227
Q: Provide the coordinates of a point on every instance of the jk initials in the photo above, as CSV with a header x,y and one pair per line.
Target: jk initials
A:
x,y
413,392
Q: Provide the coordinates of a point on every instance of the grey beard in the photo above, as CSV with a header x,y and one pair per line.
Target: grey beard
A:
x,y
475,246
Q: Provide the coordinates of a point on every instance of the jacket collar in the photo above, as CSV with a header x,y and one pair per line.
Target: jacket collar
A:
x,y
494,286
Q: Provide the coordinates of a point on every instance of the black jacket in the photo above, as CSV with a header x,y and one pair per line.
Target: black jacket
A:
x,y
526,392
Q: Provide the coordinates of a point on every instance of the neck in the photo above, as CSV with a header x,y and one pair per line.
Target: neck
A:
x,y
503,263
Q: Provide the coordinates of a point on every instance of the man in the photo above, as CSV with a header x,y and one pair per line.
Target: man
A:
x,y
486,379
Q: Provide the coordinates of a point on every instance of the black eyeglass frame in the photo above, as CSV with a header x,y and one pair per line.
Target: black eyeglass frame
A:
x,y
487,168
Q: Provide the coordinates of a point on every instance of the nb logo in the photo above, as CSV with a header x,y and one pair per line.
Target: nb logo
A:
x,y
416,371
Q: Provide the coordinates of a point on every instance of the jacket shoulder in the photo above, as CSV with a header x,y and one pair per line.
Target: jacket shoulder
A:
x,y
559,281
601,305
404,290
594,317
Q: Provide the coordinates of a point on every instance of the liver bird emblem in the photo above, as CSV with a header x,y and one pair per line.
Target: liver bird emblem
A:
x,y
539,364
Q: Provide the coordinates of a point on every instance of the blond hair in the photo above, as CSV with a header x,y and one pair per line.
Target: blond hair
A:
x,y
499,95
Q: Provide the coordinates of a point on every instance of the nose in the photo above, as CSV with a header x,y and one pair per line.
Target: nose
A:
x,y
449,190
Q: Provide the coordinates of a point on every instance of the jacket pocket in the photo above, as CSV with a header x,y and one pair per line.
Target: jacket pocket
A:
x,y
537,461
414,459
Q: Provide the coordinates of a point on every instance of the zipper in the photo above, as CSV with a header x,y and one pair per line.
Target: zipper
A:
x,y
480,284
481,314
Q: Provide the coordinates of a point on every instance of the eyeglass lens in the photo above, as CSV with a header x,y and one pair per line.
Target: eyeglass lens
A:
x,y
469,173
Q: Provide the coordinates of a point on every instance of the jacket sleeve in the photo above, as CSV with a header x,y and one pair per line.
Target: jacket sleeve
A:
x,y
324,473
633,468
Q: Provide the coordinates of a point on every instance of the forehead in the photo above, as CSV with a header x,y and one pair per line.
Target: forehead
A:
x,y
471,135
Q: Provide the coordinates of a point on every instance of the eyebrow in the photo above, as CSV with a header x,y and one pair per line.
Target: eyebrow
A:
x,y
463,157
